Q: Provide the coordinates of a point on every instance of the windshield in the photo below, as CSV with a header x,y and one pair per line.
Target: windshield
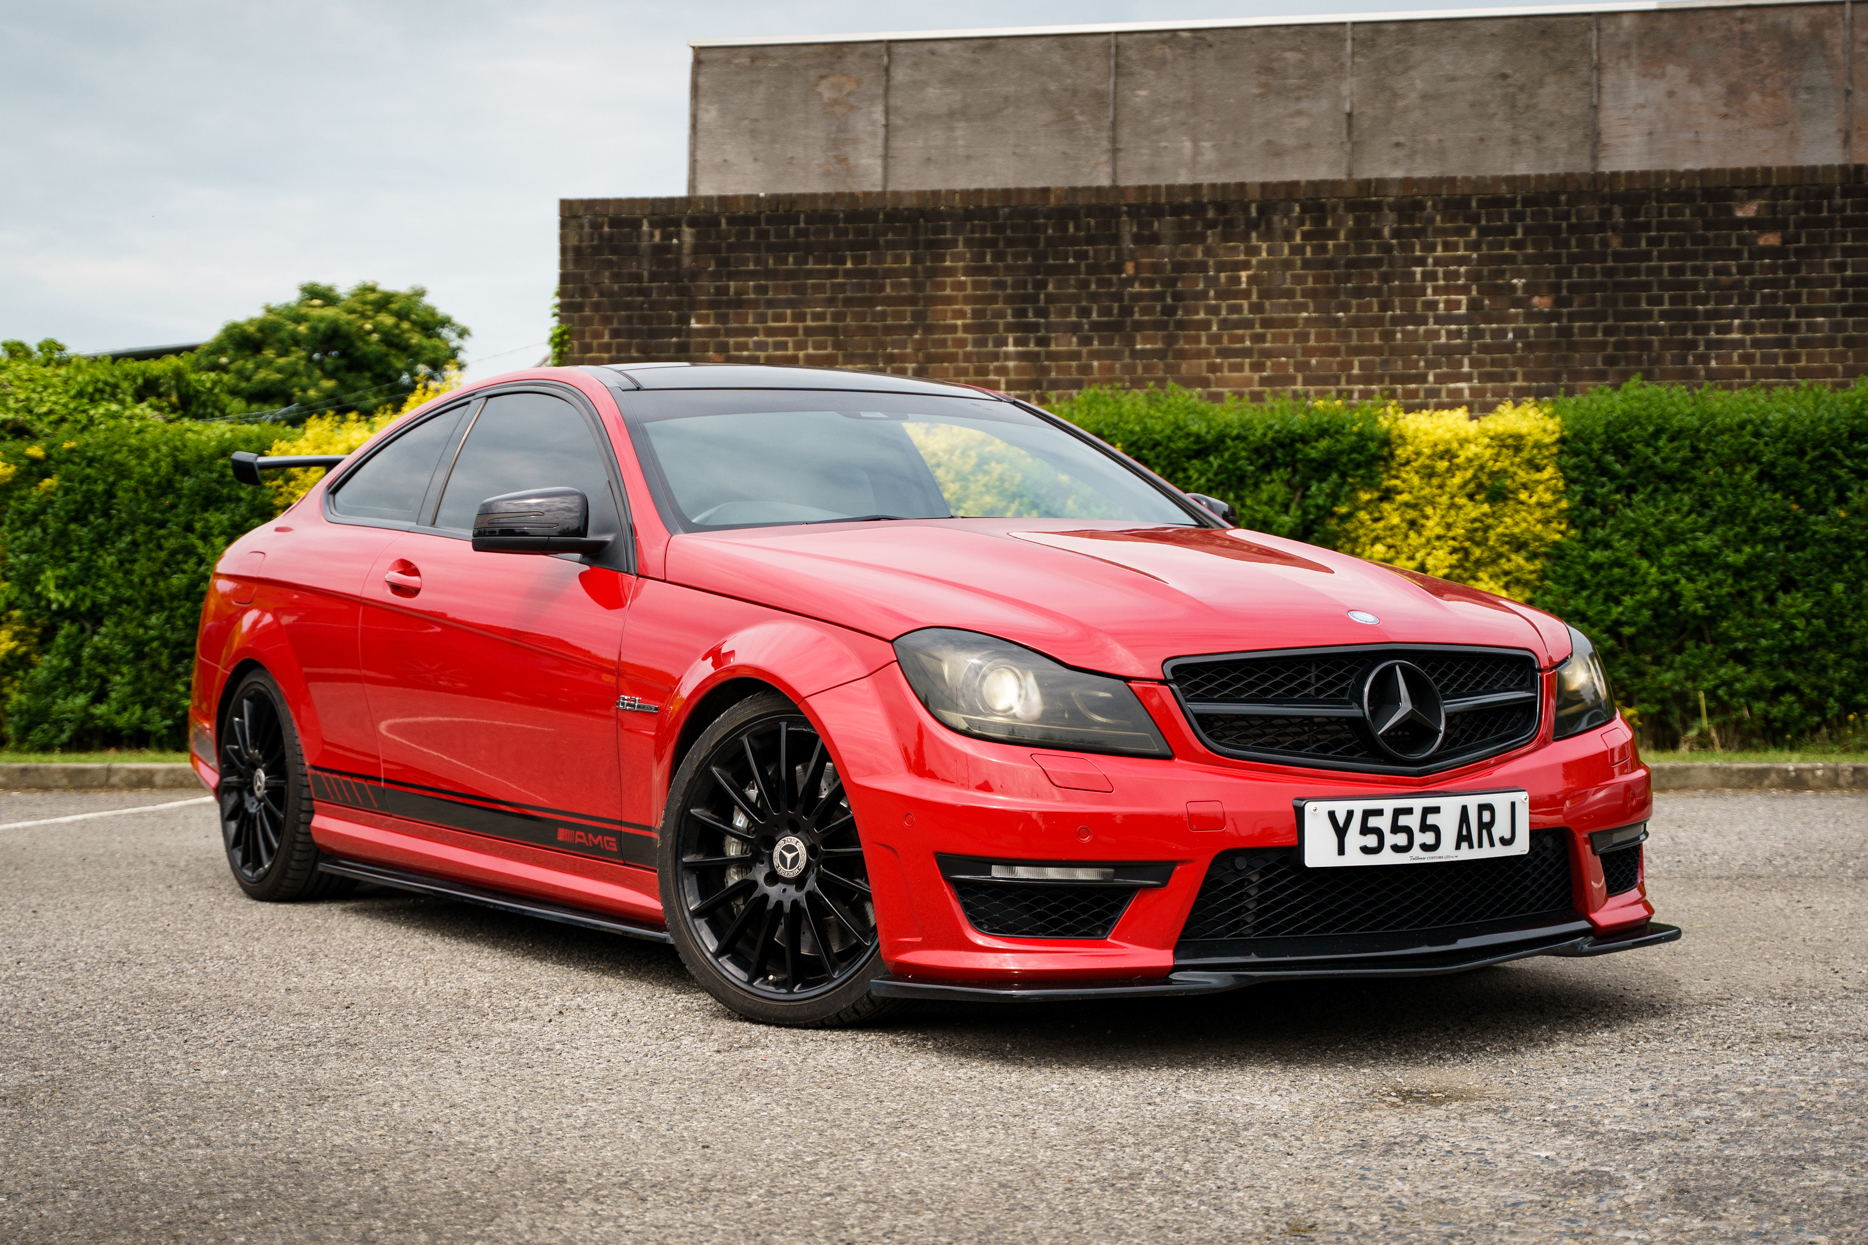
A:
x,y
754,458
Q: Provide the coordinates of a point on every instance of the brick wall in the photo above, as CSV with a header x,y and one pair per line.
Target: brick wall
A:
x,y
1443,290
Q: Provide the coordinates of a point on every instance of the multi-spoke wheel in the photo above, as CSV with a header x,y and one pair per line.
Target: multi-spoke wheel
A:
x,y
762,874
264,798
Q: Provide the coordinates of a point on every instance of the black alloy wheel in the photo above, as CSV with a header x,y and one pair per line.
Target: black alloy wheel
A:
x,y
764,884
265,799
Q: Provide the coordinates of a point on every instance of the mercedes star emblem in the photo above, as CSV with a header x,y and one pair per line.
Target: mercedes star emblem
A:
x,y
789,857
1403,710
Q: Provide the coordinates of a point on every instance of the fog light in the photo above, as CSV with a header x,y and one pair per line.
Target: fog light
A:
x,y
1611,840
1052,873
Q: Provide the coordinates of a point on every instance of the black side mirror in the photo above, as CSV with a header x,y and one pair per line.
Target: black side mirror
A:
x,y
1219,508
543,520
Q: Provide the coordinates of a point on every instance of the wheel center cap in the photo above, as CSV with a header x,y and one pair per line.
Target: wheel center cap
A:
x,y
789,857
259,782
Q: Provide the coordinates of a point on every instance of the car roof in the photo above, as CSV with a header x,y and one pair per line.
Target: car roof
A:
x,y
759,376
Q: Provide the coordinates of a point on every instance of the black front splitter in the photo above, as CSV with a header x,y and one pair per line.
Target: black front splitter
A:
x,y
1217,980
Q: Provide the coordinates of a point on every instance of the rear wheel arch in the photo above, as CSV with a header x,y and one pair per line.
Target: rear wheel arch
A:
x,y
229,686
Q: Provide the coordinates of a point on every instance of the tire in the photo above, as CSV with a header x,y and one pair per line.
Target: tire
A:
x,y
265,799
763,881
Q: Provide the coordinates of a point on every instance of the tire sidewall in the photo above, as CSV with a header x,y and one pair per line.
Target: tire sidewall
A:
x,y
816,1010
294,866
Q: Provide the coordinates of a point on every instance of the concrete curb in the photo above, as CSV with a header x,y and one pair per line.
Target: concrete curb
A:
x,y
66,776
1754,776
1668,776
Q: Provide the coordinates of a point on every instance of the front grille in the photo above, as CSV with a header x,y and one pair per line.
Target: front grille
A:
x,y
1303,706
1622,869
1042,910
1269,893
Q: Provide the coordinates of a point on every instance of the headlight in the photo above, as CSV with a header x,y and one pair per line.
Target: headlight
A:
x,y
1583,698
997,690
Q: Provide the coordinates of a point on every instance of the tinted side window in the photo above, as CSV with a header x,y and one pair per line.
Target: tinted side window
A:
x,y
393,482
528,440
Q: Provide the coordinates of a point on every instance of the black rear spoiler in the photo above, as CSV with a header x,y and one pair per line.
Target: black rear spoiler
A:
x,y
247,465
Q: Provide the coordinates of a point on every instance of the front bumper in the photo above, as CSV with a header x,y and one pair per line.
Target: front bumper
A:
x,y
1570,939
922,792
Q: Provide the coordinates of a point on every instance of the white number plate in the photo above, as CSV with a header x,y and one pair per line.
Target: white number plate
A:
x,y
1402,830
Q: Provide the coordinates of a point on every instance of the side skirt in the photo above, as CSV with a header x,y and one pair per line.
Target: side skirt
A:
x,y
422,884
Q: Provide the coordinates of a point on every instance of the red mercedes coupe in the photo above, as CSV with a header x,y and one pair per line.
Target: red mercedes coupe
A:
x,y
864,688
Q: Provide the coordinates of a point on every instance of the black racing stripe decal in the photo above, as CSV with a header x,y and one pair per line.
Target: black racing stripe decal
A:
x,y
332,787
545,810
631,847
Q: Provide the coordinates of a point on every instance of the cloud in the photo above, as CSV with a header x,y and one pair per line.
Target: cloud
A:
x,y
173,165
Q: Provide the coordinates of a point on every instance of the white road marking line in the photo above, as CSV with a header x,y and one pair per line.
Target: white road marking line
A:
x,y
109,812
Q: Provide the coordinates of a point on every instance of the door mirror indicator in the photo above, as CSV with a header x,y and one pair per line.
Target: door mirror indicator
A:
x,y
544,520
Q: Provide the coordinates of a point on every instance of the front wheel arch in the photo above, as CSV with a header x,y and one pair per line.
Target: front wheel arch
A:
x,y
789,936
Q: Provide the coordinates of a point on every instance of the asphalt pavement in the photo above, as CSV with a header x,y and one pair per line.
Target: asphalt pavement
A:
x,y
178,1062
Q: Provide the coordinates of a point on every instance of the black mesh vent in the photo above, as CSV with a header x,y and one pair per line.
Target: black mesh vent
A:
x,y
1328,677
1215,689
1042,910
1622,869
1484,729
1316,737
1477,674
1268,893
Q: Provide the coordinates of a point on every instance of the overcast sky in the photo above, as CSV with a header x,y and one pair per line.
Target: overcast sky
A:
x,y
168,165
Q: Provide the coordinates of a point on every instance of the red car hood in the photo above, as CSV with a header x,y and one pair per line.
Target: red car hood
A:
x,y
1097,596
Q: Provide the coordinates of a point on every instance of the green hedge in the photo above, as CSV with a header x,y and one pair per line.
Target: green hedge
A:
x,y
1287,466
1718,545
110,539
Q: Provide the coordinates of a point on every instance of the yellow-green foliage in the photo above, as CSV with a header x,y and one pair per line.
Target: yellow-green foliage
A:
x,y
340,434
1478,501
979,474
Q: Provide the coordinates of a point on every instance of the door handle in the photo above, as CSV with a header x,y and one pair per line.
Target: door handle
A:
x,y
403,578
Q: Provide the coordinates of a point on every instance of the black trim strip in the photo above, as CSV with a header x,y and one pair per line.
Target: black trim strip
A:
x,y
635,844
422,884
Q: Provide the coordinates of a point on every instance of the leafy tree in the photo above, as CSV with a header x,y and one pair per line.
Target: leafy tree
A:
x,y
49,392
560,334
360,350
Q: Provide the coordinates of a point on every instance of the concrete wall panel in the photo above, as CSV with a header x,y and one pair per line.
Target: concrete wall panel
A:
x,y
1249,104
1484,95
798,117
1734,88
1030,111
1858,124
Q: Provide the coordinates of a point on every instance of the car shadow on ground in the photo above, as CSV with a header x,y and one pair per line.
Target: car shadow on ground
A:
x,y
1523,1008
1432,1023
552,943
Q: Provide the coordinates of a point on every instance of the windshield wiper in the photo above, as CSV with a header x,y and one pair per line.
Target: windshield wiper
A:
x,y
876,518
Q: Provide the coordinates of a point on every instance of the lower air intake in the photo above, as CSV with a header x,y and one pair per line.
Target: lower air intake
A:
x,y
1042,910
1622,869
1268,893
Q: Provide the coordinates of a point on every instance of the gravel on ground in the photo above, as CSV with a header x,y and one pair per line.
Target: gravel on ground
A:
x,y
179,1062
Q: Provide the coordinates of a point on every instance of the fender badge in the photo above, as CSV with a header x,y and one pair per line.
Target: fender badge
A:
x,y
637,706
